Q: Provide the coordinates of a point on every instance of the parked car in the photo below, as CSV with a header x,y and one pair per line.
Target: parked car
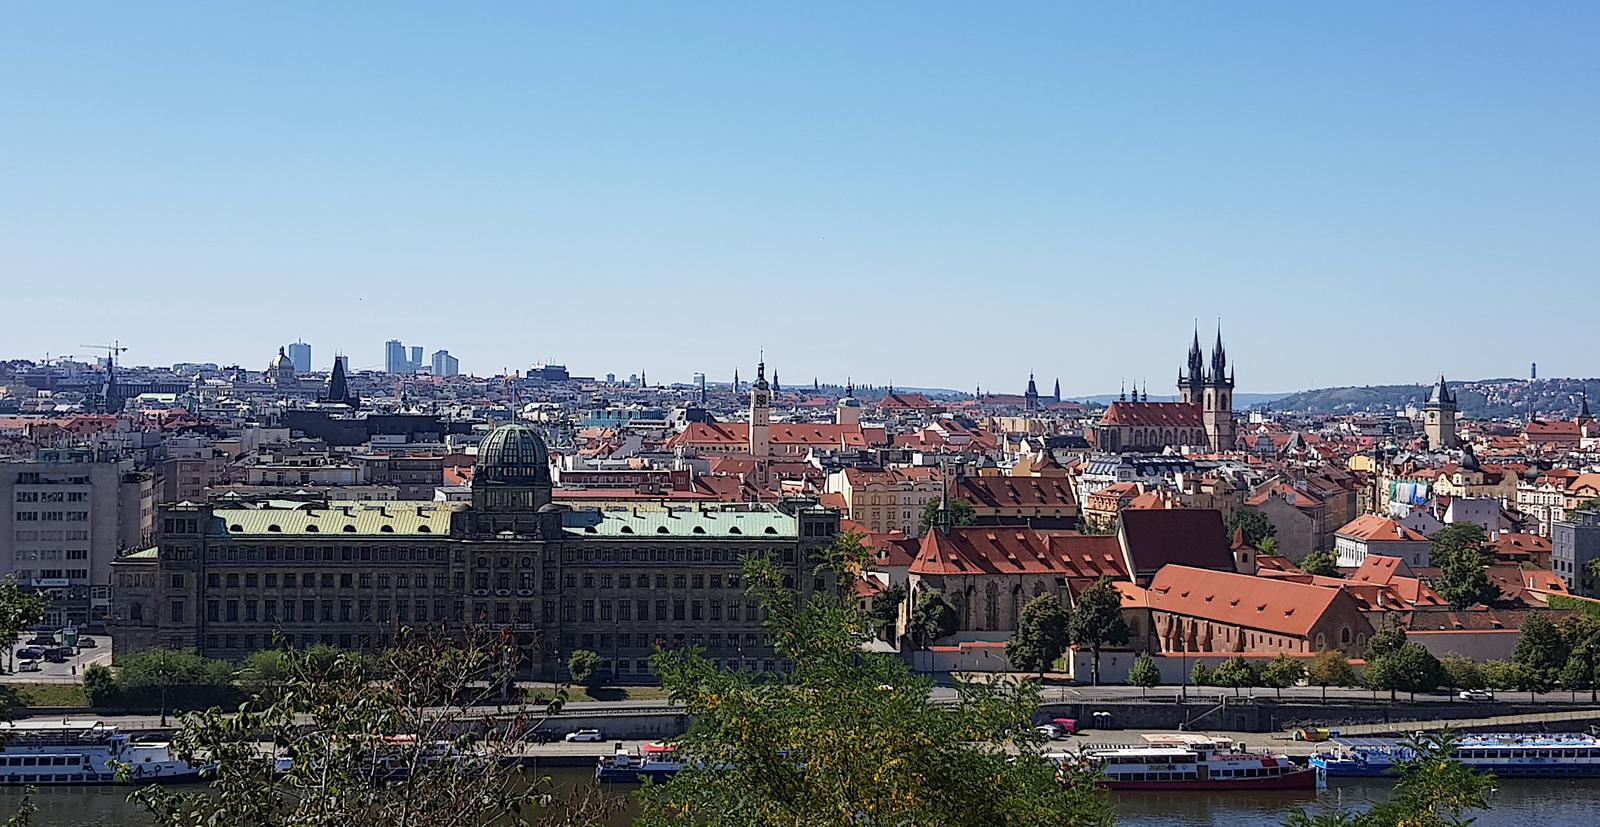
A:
x,y
42,639
31,652
57,654
86,642
1475,695
1050,731
1069,726
1315,733
540,736
584,735
28,665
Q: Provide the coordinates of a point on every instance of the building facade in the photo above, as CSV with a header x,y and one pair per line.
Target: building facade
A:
x,y
1439,417
617,581
1574,545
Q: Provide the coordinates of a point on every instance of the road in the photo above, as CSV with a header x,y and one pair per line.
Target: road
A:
x,y
68,672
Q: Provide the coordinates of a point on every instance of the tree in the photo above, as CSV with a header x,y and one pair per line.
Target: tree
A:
x,y
1282,671
846,557
262,673
1433,790
167,679
1541,646
1390,636
852,738
1235,672
1145,674
933,618
1330,668
19,610
348,728
1530,679
1200,675
1417,669
1458,550
1268,547
1255,524
1497,674
584,667
99,685
1097,621
961,513
1042,634
885,611
1462,673
1320,563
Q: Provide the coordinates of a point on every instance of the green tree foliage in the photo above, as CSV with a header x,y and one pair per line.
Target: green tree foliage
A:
x,y
931,619
1411,669
262,673
886,608
846,557
1283,671
829,744
1433,790
19,610
1497,674
1530,679
167,679
1390,636
349,727
1255,524
1042,634
1460,553
1321,563
584,667
1541,645
1237,673
1582,669
1200,675
1145,674
1268,547
961,513
1330,668
1097,621
1462,673
99,685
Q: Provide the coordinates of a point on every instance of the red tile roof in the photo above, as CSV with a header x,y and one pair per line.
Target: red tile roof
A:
x,y
1004,550
1154,414
1181,536
1373,527
1017,492
1269,604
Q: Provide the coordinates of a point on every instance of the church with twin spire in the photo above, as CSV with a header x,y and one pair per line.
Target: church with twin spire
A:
x,y
1201,418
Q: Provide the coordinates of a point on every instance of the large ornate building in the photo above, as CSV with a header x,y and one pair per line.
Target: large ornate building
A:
x,y
1202,416
618,581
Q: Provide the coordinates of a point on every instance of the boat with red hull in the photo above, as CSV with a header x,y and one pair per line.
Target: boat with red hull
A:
x,y
1195,762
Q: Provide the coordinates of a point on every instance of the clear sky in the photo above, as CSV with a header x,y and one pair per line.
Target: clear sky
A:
x,y
934,194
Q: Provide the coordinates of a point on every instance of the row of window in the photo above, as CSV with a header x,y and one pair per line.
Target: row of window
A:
x,y
675,609
28,534
677,554
324,554
52,496
604,643
52,516
310,580
42,760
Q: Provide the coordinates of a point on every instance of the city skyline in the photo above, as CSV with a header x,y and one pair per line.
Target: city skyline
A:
x,y
994,195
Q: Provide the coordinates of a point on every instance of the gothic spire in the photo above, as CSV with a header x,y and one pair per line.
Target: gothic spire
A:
x,y
1197,360
1057,393
1219,358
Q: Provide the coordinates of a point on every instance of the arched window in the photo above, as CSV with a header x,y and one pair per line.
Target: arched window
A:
x,y
1344,634
1322,641
991,609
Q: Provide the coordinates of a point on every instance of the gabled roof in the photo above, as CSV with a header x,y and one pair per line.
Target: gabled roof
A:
x,y
1182,536
1269,604
1006,550
1372,527
1017,492
1154,414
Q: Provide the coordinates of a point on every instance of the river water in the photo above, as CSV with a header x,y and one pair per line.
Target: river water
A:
x,y
1548,803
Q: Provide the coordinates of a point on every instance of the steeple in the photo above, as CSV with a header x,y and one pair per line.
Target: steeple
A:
x,y
775,387
1197,363
1123,396
735,380
1033,389
1057,394
1219,362
1583,403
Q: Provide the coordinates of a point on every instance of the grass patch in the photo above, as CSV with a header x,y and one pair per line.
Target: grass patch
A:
x,y
608,693
47,694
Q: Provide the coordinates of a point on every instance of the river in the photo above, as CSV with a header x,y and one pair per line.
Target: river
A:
x,y
1548,803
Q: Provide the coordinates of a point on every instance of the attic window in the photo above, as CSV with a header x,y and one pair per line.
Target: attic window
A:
x,y
349,529
1261,608
388,529
1209,597
274,527
1233,602
1288,612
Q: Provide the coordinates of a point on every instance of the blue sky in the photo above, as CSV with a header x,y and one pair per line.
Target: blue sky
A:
x,y
934,194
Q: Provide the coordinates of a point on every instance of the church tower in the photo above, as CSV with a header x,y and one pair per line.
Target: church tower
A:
x,y
848,410
1439,417
1030,397
760,413
1191,383
1217,408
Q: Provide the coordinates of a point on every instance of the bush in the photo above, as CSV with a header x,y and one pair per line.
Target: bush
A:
x,y
1462,673
99,685
168,679
584,667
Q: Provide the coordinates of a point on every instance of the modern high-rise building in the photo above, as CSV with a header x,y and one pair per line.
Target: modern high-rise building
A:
x,y
444,364
415,361
300,356
394,357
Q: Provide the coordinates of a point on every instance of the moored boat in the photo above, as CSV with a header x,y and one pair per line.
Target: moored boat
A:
x,y
1507,755
84,752
655,761
1188,761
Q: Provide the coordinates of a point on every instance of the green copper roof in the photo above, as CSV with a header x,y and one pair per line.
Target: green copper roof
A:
x,y
360,519
755,522
143,554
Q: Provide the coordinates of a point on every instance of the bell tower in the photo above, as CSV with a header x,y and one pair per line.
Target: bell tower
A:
x,y
760,413
1217,403
1439,417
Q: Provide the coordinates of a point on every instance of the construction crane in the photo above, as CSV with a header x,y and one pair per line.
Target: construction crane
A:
x,y
111,350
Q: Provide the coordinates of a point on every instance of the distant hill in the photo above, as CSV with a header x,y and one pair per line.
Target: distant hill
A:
x,y
1477,399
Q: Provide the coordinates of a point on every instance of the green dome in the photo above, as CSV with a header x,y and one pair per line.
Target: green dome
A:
x,y
512,455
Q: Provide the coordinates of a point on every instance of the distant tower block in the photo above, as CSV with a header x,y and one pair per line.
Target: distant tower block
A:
x,y
1533,370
